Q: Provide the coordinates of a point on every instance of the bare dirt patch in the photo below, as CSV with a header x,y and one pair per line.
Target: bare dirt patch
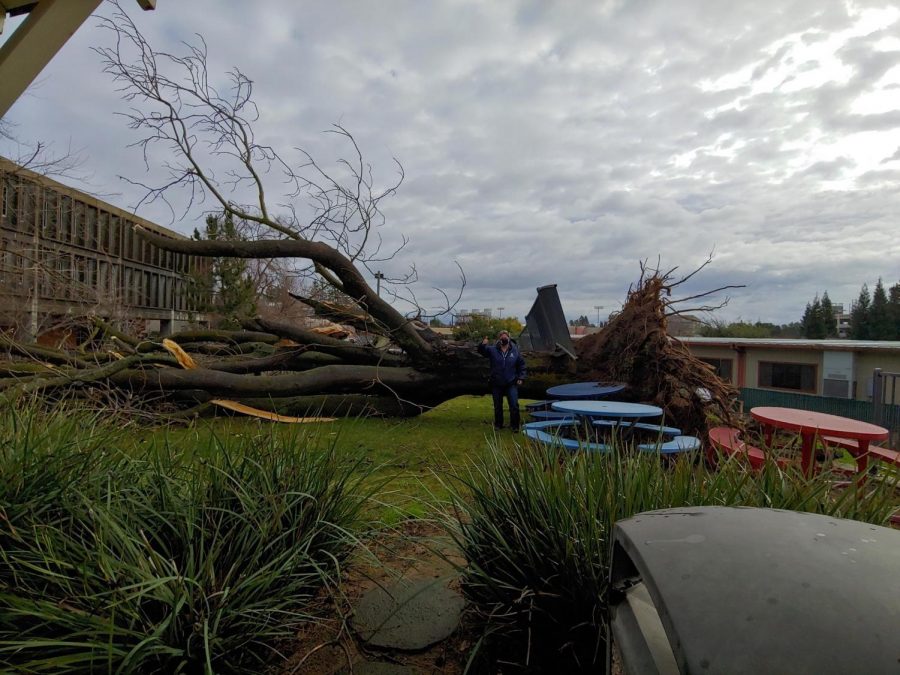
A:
x,y
416,550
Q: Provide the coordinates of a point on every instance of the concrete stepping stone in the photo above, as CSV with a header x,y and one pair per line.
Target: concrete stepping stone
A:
x,y
409,616
378,668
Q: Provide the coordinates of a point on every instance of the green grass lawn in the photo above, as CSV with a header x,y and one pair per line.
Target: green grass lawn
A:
x,y
410,454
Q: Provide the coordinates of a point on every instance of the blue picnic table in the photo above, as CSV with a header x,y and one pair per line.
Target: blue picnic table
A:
x,y
607,409
671,441
584,390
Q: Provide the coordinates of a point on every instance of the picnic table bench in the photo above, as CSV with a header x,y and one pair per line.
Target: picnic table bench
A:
x,y
547,432
728,441
544,415
873,451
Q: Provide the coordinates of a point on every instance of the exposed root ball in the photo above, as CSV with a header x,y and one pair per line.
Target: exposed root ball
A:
x,y
636,349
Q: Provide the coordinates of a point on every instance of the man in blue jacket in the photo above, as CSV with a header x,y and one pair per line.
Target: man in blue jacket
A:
x,y
507,373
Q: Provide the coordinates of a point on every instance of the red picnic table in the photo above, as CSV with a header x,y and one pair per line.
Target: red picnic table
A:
x,y
810,424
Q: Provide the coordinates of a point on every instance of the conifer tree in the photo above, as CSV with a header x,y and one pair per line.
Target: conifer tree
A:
x,y
894,310
879,319
225,287
813,321
806,320
859,316
828,317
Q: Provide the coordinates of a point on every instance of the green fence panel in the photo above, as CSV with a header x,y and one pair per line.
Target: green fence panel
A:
x,y
846,407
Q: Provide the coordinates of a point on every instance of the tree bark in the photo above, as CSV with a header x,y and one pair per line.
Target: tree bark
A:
x,y
352,284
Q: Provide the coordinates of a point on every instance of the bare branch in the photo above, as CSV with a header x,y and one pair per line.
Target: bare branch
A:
x,y
709,259
704,294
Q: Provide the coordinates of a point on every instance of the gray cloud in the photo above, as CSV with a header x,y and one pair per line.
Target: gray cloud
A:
x,y
555,143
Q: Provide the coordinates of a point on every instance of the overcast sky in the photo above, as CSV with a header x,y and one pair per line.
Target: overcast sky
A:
x,y
557,142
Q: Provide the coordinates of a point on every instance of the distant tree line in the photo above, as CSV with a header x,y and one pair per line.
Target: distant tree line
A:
x,y
480,326
745,329
874,316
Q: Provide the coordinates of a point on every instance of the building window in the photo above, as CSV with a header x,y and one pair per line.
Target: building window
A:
x,y
78,225
102,232
129,235
131,286
722,367
115,236
30,213
794,376
147,290
12,204
51,213
90,228
66,211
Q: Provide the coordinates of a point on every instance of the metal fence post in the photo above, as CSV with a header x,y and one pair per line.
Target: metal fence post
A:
x,y
878,395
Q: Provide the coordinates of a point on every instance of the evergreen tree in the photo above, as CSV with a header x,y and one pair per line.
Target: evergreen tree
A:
x,y
859,316
814,327
880,327
828,316
806,320
894,310
225,287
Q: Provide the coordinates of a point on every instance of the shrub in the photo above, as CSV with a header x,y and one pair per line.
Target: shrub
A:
x,y
534,526
174,562
480,326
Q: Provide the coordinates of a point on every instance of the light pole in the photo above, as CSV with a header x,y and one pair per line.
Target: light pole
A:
x,y
500,312
598,308
378,277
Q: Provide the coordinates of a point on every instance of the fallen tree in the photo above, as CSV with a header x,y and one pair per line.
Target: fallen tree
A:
x,y
400,367
288,369
307,373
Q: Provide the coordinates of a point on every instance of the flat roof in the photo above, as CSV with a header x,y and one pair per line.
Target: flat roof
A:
x,y
10,167
784,343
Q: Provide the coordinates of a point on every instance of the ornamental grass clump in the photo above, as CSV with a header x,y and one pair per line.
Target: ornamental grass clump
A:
x,y
534,525
199,561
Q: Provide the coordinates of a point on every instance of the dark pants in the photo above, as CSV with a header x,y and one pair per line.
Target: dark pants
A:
x,y
511,392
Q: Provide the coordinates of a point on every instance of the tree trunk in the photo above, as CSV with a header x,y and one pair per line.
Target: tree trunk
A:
x,y
314,375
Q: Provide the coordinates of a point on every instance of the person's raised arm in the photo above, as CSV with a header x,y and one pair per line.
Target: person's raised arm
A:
x,y
483,347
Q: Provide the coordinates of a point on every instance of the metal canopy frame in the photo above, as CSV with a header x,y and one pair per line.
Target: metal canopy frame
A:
x,y
49,24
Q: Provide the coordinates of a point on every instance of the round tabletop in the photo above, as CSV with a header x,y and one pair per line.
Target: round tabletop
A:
x,y
614,409
584,390
806,421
